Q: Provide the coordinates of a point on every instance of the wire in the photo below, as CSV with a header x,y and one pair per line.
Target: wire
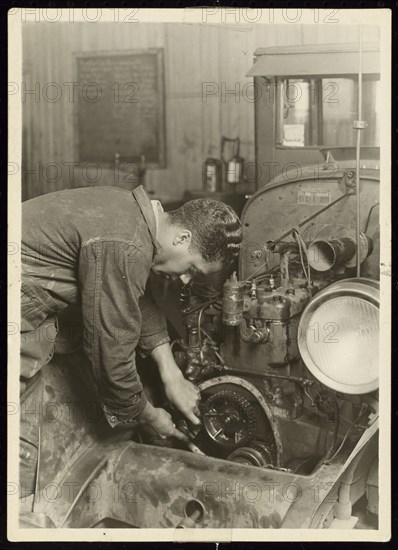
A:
x,y
303,247
199,306
199,326
222,362
369,215
174,342
297,239
268,245
335,429
265,275
259,268
363,409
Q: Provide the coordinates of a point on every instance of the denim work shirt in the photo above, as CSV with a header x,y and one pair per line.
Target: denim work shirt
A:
x,y
95,246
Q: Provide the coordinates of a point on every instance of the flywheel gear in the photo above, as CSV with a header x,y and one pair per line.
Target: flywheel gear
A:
x,y
229,418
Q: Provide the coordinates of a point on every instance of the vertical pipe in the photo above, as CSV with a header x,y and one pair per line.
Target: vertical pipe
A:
x,y
279,99
358,155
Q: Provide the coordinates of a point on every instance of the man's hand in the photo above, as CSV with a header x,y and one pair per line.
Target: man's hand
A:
x,y
161,422
179,391
185,397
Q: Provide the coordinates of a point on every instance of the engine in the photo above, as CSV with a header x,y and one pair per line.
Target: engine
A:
x,y
286,353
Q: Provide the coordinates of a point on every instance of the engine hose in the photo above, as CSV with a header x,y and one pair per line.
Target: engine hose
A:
x,y
343,507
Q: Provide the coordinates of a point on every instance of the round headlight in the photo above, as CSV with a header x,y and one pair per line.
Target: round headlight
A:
x,y
339,336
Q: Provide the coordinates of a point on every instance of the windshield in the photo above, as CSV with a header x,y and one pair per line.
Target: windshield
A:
x,y
321,112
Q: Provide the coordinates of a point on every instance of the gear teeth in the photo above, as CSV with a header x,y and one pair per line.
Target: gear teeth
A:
x,y
245,409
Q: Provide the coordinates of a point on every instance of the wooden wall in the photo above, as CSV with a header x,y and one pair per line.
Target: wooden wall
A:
x,y
194,54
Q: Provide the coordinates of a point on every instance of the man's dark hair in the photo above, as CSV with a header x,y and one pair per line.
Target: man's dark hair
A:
x,y
215,227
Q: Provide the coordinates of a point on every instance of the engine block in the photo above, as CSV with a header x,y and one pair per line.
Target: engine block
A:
x,y
267,333
260,403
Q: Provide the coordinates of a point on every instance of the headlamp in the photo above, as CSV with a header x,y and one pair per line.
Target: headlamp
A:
x,y
339,336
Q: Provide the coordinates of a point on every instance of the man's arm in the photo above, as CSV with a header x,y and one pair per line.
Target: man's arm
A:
x,y
154,341
179,391
112,321
154,331
112,277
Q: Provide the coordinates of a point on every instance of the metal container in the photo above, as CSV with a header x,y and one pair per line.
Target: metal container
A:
x,y
232,301
212,175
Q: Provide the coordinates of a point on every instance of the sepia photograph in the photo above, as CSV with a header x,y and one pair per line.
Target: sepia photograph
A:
x,y
199,271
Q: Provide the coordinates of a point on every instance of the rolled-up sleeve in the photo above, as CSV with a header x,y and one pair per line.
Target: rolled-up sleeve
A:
x,y
153,324
112,278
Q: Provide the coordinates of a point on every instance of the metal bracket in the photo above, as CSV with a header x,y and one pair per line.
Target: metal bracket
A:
x,y
349,181
360,124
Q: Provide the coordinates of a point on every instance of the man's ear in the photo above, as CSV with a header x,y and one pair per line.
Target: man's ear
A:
x,y
183,237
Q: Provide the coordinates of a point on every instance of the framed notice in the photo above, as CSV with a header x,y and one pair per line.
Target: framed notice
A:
x,y
120,112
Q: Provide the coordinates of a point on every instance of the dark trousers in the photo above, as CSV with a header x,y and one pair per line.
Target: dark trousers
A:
x,y
39,328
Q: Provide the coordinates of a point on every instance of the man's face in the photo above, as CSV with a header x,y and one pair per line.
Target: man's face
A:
x,y
177,260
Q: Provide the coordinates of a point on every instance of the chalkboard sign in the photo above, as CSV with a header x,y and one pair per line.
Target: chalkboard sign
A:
x,y
121,107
